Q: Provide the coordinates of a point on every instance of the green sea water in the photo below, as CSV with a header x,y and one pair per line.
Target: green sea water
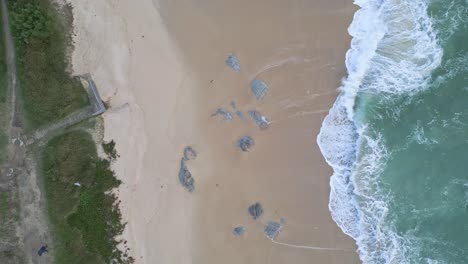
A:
x,y
402,192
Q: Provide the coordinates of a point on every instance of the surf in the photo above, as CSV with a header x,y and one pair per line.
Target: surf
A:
x,y
393,52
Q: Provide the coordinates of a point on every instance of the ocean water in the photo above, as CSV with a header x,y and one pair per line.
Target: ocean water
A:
x,y
397,136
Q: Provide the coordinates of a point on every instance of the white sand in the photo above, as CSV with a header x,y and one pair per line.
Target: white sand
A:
x,y
161,99
140,77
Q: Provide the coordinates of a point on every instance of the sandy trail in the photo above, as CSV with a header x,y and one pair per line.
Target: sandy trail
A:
x,y
32,230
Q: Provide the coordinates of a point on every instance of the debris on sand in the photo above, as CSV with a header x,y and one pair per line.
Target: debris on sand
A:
x,y
272,229
256,210
9,172
245,143
225,114
17,142
233,62
259,119
259,89
42,250
185,177
190,153
238,231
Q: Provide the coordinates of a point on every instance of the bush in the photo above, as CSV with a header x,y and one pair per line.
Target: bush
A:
x,y
41,36
30,21
85,219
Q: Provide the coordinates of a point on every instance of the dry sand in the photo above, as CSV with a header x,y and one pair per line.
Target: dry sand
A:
x,y
160,65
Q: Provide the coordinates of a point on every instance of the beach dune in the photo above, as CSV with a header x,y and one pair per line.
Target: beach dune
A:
x,y
161,67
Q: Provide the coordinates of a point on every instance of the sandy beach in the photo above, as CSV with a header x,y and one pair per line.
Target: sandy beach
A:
x,y
160,66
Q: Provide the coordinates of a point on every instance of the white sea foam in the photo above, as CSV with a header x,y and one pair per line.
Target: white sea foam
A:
x,y
393,52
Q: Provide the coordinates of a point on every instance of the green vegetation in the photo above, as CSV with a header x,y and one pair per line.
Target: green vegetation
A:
x,y
5,211
85,219
31,22
3,67
3,207
84,214
3,93
3,146
48,92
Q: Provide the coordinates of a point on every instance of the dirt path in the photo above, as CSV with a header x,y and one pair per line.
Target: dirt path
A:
x,y
31,228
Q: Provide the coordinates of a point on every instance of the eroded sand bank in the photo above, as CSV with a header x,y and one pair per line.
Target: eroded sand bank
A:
x,y
161,66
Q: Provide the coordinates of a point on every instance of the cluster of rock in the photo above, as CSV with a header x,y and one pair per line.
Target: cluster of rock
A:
x,y
259,89
185,177
225,114
271,229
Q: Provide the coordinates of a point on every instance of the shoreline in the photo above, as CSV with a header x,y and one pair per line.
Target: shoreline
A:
x,y
156,72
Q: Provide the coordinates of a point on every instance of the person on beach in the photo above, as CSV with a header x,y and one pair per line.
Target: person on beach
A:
x,y
42,250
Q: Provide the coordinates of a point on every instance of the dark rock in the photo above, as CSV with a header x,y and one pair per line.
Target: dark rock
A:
x,y
240,114
185,177
272,229
245,143
189,153
256,210
259,119
238,231
226,115
233,62
259,89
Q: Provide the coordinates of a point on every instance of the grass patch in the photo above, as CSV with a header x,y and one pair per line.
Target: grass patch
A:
x,y
3,146
85,220
3,94
42,35
3,66
3,206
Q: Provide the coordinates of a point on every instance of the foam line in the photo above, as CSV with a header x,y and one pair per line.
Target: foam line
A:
x,y
393,52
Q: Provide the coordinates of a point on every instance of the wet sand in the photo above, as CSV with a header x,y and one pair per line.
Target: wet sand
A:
x,y
160,65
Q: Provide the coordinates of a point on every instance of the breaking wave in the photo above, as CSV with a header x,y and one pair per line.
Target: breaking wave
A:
x,y
393,52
